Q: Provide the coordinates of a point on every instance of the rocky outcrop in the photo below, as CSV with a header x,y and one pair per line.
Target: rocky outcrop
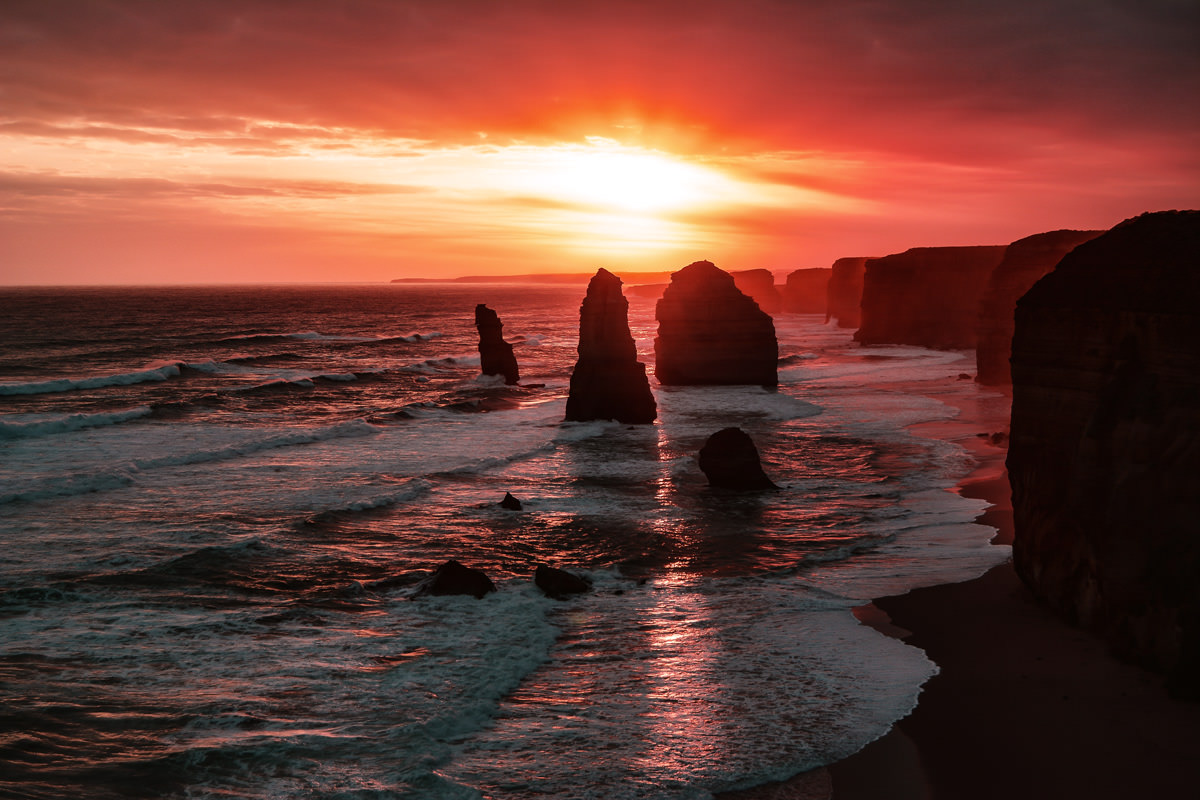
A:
x,y
608,381
1104,455
1025,260
729,460
759,286
510,503
709,332
495,355
805,291
454,578
558,583
926,296
844,292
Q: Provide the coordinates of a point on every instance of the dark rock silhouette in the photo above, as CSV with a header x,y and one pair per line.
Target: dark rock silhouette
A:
x,y
759,286
806,290
1025,260
729,460
709,332
495,355
926,296
510,502
608,381
1104,453
844,292
559,583
453,578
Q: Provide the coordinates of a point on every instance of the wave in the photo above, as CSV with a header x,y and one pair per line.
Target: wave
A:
x,y
314,336
83,483
440,365
410,489
72,422
157,373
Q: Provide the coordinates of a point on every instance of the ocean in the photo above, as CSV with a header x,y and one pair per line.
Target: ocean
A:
x,y
216,504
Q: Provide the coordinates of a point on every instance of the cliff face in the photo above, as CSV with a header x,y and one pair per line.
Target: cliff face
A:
x,y
1104,457
1024,262
711,333
926,296
495,355
608,381
759,286
844,292
805,291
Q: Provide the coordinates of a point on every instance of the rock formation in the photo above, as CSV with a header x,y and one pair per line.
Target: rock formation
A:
x,y
729,460
709,332
805,291
759,286
558,583
453,578
608,381
926,296
1025,260
1104,455
844,293
495,355
510,503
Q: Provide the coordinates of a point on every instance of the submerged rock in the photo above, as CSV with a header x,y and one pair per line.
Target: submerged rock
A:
x,y
495,355
1025,261
558,583
710,333
608,381
729,460
926,296
510,502
1104,453
453,578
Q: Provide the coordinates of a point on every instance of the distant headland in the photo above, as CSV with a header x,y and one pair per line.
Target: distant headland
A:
x,y
567,278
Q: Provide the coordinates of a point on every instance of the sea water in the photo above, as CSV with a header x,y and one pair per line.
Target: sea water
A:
x,y
216,504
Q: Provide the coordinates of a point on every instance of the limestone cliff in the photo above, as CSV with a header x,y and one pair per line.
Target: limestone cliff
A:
x,y
759,286
844,292
495,355
1025,260
711,333
805,291
926,296
1105,451
608,381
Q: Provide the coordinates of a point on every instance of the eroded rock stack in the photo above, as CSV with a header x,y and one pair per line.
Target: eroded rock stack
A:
x,y
759,286
806,291
844,292
1104,457
495,355
711,333
926,296
730,460
608,381
1025,261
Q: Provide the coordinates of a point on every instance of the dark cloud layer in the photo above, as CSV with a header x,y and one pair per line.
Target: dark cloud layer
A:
x,y
973,78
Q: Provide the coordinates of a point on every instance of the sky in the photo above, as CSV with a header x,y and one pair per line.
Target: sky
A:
x,y
151,142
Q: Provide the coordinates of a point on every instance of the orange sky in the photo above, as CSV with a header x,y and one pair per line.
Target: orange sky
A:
x,y
315,140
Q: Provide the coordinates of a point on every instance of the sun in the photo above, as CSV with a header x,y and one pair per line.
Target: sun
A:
x,y
611,176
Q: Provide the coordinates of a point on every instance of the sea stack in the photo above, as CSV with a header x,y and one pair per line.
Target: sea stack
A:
x,y
844,292
709,333
608,381
805,291
1104,456
495,355
1025,260
926,296
759,286
729,460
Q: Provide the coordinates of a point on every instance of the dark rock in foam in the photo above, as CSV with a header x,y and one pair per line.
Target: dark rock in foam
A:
x,y
558,583
510,502
1025,260
454,578
608,381
495,355
730,460
1104,454
711,333
926,296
